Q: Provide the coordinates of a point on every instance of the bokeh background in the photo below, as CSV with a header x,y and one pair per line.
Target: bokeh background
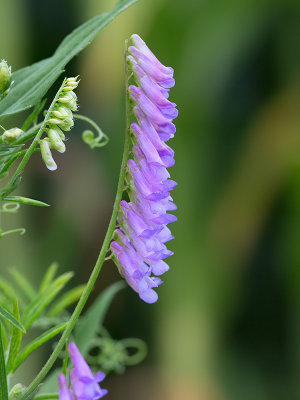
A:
x,y
227,323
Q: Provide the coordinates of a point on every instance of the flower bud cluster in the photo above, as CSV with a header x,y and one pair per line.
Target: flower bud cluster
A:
x,y
61,119
139,247
5,78
84,385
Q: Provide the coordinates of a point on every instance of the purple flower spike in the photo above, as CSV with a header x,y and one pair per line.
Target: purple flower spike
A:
x,y
139,248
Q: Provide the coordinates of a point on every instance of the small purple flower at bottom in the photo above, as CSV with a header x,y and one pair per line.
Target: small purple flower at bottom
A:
x,y
84,385
64,392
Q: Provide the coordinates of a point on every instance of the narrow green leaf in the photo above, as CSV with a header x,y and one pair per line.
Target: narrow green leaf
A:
x,y
26,200
48,277
10,318
89,324
31,83
42,300
4,335
7,289
38,342
15,342
23,283
66,300
3,379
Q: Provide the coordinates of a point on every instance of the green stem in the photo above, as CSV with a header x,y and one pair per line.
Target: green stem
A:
x,y
94,275
46,396
3,379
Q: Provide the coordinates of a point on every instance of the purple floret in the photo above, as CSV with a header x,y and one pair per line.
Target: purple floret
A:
x,y
139,248
84,385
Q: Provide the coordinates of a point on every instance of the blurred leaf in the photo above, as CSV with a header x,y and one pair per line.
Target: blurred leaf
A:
x,y
48,277
15,341
38,342
26,200
23,283
7,289
42,300
31,83
4,335
66,300
89,324
10,318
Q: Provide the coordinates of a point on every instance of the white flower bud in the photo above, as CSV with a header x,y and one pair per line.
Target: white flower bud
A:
x,y
69,99
54,121
65,115
55,140
46,154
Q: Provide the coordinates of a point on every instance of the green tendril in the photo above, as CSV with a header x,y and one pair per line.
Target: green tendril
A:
x,y
4,233
10,208
88,136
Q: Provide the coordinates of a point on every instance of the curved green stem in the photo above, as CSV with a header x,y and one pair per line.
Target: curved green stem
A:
x,y
94,275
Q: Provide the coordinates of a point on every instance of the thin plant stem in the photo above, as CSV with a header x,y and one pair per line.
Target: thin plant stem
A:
x,y
97,268
3,379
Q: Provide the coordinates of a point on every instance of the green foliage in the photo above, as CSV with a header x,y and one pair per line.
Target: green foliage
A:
x,y
35,305
31,83
88,325
23,283
15,340
26,200
66,300
38,342
7,316
42,300
48,277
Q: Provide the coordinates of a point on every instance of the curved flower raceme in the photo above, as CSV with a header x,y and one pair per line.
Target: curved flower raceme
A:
x,y
84,385
139,248
61,120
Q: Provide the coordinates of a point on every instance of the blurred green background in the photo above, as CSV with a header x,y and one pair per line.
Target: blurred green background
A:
x,y
227,323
